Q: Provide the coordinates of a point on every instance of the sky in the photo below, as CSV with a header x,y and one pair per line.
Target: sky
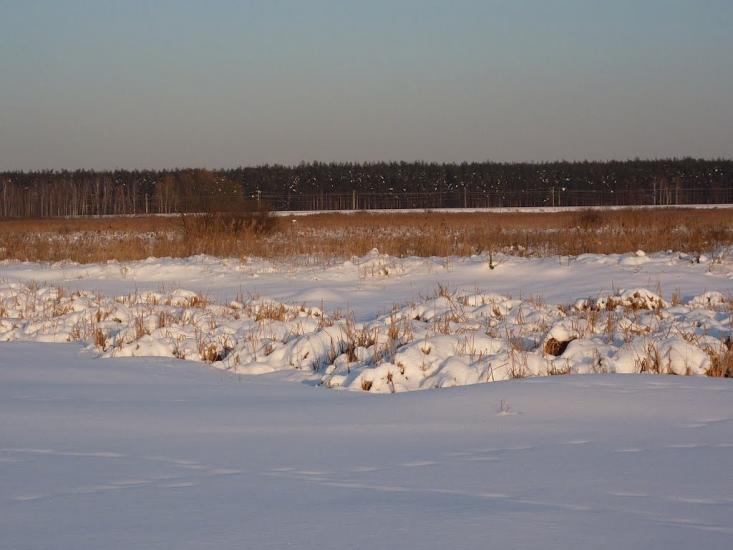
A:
x,y
131,84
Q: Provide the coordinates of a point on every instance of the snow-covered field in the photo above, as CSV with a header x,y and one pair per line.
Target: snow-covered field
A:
x,y
100,449
504,209
375,283
158,453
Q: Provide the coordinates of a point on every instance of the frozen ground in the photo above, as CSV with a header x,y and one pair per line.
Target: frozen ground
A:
x,y
154,452
158,453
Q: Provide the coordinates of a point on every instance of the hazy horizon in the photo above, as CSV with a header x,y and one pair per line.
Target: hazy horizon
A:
x,y
327,162
105,85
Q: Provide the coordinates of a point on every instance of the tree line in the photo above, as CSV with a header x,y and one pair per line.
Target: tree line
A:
x,y
327,186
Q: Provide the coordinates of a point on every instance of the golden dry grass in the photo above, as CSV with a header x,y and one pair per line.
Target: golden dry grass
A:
x,y
397,234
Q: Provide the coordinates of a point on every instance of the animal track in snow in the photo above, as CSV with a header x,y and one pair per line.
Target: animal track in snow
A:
x,y
705,422
54,452
418,463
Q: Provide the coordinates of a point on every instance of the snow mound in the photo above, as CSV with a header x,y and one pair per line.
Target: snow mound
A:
x,y
450,339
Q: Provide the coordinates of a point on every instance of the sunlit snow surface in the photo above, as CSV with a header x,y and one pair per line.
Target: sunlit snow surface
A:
x,y
152,452
158,453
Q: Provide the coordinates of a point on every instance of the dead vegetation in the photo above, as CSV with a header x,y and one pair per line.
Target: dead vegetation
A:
x,y
345,235
721,361
556,347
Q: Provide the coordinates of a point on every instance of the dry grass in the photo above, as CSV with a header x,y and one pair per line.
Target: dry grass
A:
x,y
721,361
722,365
344,235
272,312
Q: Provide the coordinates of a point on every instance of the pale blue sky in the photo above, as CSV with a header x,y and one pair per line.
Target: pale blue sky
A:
x,y
133,84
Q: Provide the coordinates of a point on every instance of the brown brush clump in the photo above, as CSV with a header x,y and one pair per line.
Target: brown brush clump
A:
x,y
721,362
100,340
273,312
208,352
556,347
344,235
722,366
652,361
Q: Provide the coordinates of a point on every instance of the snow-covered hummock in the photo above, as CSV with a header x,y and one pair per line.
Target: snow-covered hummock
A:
x,y
450,339
158,453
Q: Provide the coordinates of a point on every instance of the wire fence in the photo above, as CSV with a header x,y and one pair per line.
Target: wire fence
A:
x,y
35,203
555,197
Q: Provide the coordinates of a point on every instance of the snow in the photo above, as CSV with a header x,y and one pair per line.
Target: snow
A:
x,y
375,283
108,439
502,209
447,338
160,453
